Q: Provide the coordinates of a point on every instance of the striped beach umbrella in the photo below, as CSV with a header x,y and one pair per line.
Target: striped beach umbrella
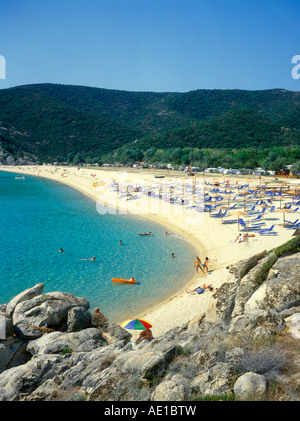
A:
x,y
136,324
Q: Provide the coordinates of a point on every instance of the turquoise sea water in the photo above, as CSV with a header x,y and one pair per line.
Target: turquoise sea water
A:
x,y
39,216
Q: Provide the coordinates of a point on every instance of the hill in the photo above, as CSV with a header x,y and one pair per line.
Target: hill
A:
x,y
50,122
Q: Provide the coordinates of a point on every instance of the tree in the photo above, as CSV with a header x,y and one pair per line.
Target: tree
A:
x,y
78,159
295,168
176,156
149,153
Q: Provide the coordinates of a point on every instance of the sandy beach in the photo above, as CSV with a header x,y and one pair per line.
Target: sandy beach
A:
x,y
128,191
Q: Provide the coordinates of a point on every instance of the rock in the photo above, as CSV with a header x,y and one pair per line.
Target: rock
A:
x,y
23,296
48,310
241,268
262,333
78,318
56,342
113,332
13,352
208,356
241,324
293,325
234,356
175,389
216,381
281,290
250,386
157,365
6,326
246,288
27,377
221,303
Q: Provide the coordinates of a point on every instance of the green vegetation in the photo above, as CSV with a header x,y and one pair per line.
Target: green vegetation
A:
x,y
76,124
66,351
290,247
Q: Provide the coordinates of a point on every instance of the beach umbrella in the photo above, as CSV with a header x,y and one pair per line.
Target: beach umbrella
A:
x,y
244,193
238,213
294,193
136,324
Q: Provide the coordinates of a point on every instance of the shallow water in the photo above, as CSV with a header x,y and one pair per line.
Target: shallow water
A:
x,y
39,216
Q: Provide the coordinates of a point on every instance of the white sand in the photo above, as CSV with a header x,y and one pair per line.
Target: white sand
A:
x,y
208,235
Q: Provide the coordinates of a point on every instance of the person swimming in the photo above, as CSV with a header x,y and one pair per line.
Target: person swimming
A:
x,y
92,258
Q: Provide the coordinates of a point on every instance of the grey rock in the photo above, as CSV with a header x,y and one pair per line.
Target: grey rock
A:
x,y
23,296
175,389
246,288
56,342
250,386
49,310
281,290
216,381
13,352
78,318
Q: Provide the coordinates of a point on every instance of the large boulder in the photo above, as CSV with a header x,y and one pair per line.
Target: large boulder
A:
x,y
44,311
250,386
246,288
177,388
57,342
215,381
27,377
28,294
220,305
6,326
13,352
280,291
78,318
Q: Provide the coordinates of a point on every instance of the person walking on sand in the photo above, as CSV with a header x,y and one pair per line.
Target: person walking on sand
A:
x,y
197,264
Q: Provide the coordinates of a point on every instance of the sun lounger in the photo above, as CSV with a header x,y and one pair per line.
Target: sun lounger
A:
x,y
268,231
292,223
294,226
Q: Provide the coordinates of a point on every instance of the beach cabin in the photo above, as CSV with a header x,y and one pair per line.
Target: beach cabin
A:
x,y
259,171
211,170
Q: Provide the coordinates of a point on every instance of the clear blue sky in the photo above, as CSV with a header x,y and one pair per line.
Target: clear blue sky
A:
x,y
151,45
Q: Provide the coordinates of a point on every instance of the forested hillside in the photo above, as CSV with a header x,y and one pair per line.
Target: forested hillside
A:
x,y
50,122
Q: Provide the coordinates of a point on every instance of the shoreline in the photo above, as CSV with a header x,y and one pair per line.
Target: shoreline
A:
x,y
206,235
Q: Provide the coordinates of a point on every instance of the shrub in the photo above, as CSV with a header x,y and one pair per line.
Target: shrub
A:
x,y
269,362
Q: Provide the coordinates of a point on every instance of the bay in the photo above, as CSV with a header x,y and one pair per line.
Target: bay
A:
x,y
39,216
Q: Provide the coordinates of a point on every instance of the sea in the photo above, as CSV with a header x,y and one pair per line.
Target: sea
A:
x,y
38,217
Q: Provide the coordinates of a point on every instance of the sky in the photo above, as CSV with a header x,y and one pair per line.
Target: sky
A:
x,y
151,45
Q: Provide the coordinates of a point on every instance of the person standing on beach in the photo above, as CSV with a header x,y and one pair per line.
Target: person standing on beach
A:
x,y
204,265
197,264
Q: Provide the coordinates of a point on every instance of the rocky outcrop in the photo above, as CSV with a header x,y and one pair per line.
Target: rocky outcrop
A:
x,y
235,349
44,311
